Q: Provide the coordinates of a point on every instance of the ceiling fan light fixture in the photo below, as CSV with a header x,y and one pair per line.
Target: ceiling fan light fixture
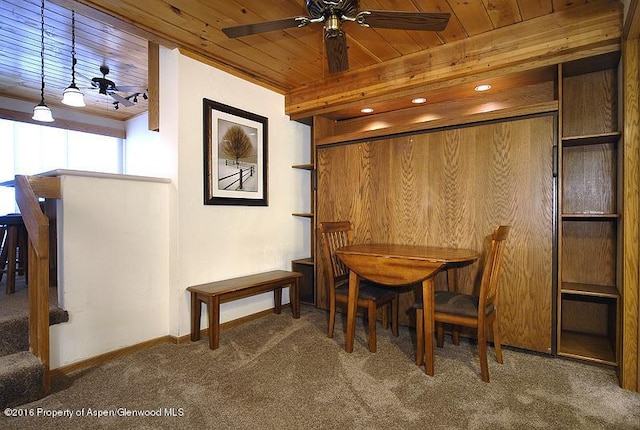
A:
x,y
42,113
419,100
72,96
366,110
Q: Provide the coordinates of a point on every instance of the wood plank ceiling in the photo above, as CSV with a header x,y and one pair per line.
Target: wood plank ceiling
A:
x,y
290,61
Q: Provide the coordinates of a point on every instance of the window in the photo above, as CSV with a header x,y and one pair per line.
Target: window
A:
x,y
28,149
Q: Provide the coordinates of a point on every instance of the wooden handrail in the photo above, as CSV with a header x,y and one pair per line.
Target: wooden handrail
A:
x,y
28,190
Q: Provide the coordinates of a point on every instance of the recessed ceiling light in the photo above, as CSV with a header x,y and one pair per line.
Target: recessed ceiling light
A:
x,y
418,100
483,87
366,110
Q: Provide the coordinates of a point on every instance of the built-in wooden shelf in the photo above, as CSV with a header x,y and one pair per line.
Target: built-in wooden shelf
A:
x,y
304,215
589,347
304,166
304,261
590,290
591,139
589,216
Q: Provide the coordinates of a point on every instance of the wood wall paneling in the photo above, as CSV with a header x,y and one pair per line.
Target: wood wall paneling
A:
x,y
451,188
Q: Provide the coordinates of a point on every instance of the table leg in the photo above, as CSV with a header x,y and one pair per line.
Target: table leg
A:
x,y
427,300
294,298
277,298
196,309
213,308
452,278
352,308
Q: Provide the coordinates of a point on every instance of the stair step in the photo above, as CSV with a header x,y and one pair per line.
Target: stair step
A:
x,y
14,333
21,377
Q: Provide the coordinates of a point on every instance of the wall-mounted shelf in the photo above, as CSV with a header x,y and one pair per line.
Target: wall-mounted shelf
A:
x,y
303,166
306,266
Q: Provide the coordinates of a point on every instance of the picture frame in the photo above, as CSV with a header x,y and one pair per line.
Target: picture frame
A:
x,y
235,156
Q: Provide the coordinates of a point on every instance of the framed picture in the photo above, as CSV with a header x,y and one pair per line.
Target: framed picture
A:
x,y
235,156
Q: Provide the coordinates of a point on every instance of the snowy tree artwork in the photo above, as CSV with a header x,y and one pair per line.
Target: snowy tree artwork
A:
x,y
235,149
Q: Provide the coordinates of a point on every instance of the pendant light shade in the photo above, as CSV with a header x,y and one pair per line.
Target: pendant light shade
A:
x,y
42,112
72,96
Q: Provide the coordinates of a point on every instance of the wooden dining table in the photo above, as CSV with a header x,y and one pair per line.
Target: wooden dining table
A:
x,y
398,265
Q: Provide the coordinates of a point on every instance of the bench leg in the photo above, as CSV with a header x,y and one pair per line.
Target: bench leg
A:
x,y
294,297
196,308
213,309
277,299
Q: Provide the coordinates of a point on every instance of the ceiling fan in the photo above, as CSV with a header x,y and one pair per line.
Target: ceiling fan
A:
x,y
108,88
333,13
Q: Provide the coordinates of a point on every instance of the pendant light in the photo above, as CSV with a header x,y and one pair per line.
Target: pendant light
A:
x,y
42,112
72,96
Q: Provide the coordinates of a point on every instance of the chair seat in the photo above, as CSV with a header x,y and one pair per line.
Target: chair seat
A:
x,y
451,302
368,291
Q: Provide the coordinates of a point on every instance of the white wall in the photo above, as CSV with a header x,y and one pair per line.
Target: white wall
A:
x,y
130,254
113,272
217,242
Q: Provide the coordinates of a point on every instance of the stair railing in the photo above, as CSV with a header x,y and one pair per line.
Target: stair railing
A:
x,y
28,190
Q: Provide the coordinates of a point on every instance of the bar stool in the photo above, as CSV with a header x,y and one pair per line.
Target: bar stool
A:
x,y
13,256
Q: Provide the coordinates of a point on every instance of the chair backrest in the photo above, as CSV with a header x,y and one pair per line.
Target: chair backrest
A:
x,y
489,283
335,234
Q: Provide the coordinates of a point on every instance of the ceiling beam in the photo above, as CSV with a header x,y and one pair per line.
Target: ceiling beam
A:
x,y
592,29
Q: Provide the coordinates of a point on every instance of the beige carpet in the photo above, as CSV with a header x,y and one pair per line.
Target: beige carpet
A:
x,y
280,373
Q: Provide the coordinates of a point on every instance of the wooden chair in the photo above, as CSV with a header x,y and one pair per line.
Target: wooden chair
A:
x,y
370,295
461,309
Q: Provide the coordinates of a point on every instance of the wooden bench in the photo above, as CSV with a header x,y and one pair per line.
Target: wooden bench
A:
x,y
214,293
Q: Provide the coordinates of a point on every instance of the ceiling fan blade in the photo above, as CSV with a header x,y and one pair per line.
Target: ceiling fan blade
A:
x,y
263,27
337,56
131,89
117,97
429,21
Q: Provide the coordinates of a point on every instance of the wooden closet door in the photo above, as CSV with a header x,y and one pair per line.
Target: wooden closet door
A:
x,y
451,188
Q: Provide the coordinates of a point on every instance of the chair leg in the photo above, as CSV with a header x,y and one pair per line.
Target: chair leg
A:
x,y
394,317
332,318
4,252
372,326
440,335
455,335
419,337
496,338
386,311
482,352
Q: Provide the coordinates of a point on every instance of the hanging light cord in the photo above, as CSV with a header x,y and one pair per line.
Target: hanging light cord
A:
x,y
42,52
73,48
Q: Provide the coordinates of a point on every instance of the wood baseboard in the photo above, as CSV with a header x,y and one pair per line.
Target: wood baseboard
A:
x,y
107,356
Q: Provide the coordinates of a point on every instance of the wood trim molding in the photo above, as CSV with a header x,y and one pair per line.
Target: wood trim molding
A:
x,y
632,21
153,76
66,124
539,108
108,356
103,358
630,363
